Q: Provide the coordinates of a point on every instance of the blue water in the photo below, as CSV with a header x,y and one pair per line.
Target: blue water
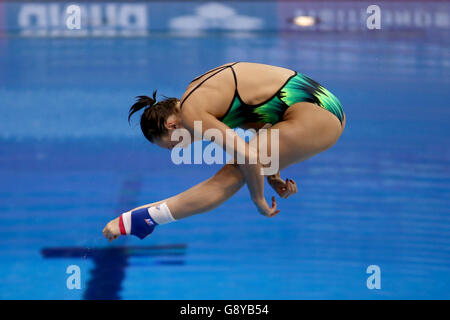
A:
x,y
69,162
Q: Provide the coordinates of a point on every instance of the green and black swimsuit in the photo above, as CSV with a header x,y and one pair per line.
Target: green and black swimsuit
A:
x,y
297,88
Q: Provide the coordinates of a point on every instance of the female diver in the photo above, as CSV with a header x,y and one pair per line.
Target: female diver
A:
x,y
307,117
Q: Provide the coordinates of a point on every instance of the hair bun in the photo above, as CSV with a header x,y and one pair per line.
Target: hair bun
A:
x,y
142,102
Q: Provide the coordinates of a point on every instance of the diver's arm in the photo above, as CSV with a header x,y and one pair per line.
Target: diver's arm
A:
x,y
251,169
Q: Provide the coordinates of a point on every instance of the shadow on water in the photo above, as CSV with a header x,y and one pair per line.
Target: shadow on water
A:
x,y
110,264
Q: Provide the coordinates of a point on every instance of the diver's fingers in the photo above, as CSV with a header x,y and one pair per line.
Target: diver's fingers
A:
x,y
294,185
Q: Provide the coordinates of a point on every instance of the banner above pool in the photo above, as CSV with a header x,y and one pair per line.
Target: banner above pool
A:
x,y
133,18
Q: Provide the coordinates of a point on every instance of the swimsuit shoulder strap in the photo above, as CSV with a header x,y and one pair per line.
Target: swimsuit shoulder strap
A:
x,y
234,74
218,69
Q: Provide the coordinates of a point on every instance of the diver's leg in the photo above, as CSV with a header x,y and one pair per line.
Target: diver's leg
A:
x,y
208,194
202,197
305,131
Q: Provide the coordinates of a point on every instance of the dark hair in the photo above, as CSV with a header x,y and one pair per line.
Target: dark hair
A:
x,y
153,119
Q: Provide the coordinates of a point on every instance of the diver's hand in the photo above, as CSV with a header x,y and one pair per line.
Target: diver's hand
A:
x,y
112,230
282,187
264,208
